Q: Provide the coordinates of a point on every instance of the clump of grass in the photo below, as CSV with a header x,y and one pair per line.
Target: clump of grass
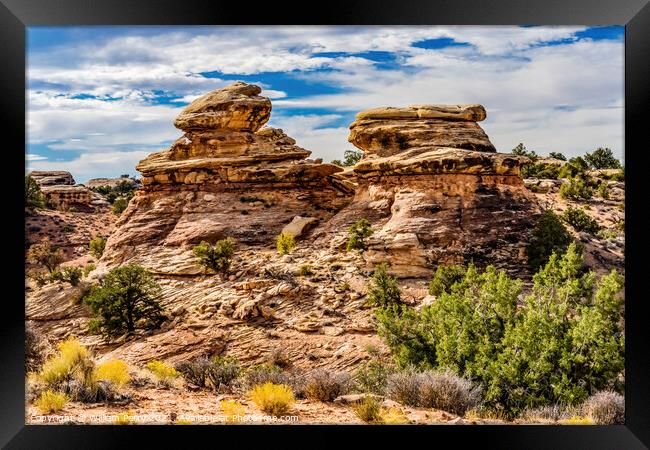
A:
x,y
606,408
285,243
393,416
115,371
232,410
50,402
274,399
325,386
88,268
164,373
368,409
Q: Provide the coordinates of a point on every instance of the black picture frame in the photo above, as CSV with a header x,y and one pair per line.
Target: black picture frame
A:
x,y
16,15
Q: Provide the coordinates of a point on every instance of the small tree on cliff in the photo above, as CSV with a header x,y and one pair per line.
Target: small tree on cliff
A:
x,y
128,298
46,254
33,196
216,257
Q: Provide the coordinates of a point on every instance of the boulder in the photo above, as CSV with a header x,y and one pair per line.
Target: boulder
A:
x,y
299,225
389,131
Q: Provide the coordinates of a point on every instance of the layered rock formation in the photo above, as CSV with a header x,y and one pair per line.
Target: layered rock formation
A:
x,y
226,176
436,191
60,189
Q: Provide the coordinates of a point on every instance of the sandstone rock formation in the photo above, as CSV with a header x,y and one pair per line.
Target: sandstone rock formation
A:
x,y
60,189
110,182
436,191
226,176
52,177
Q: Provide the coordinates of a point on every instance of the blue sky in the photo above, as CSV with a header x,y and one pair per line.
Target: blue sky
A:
x,y
102,98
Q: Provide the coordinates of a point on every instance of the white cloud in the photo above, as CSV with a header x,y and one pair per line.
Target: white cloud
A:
x,y
563,97
33,157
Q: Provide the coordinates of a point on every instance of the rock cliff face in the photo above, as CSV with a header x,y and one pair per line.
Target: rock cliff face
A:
x,y
226,176
60,189
436,191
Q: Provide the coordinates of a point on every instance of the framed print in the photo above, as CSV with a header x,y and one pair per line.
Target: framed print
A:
x,y
374,216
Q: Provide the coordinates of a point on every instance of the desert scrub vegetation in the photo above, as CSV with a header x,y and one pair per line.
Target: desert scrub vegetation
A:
x,y
274,399
548,236
285,243
440,389
114,370
128,298
73,372
305,270
217,256
371,377
357,234
576,189
68,274
50,402
232,410
34,197
123,190
88,268
268,373
325,386
368,409
350,158
603,190
580,220
97,246
605,408
119,205
216,373
45,254
445,277
562,343
165,374
383,289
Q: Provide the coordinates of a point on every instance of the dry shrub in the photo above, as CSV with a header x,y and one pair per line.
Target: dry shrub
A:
x,y
442,390
232,410
606,408
447,391
368,409
325,386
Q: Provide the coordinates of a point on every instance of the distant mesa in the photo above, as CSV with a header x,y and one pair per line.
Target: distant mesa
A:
x,y
111,182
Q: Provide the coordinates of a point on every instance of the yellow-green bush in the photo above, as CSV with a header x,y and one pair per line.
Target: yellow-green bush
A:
x,y
275,399
115,371
164,373
51,402
232,409
368,409
71,357
285,242
393,416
